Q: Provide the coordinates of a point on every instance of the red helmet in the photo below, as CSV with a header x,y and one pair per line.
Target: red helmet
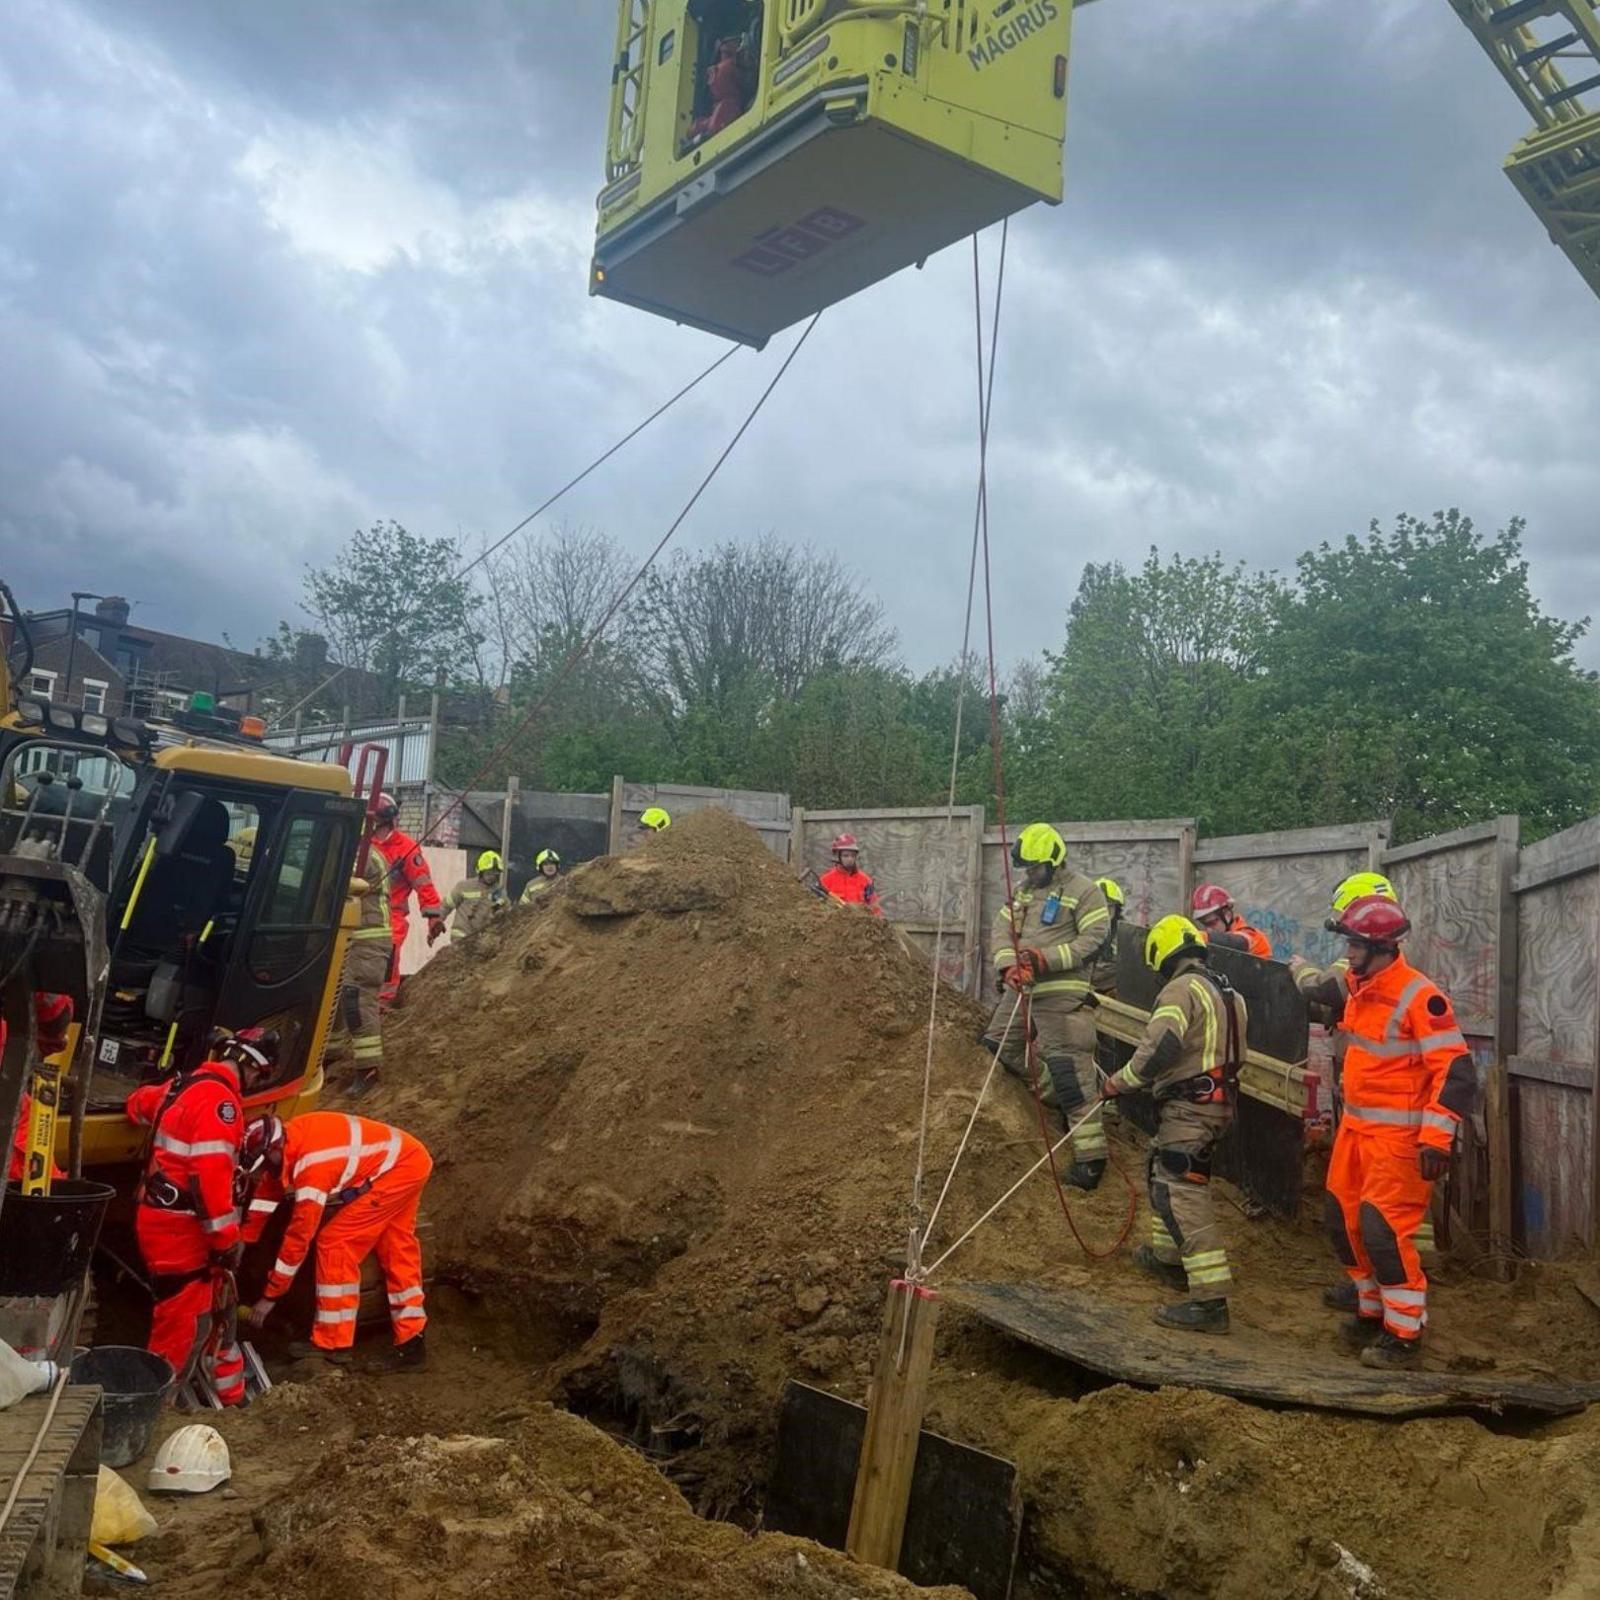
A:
x,y
1374,920
387,808
262,1142
845,841
1208,900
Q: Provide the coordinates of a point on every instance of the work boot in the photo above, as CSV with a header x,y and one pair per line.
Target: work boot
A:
x,y
1169,1272
412,1356
1389,1354
1356,1333
1195,1316
1086,1175
362,1084
1342,1297
304,1350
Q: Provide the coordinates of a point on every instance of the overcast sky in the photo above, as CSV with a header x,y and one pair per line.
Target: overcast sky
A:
x,y
269,272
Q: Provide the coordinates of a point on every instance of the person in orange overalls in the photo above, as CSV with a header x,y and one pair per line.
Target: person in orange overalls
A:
x,y
845,880
188,1222
408,875
52,1016
1212,907
1408,1082
355,1185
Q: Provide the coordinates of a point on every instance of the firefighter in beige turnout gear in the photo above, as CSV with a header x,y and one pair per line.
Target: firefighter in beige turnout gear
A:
x,y
1189,1059
474,903
1045,943
366,970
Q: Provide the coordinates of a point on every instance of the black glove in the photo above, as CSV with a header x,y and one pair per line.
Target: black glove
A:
x,y
1433,1164
230,1258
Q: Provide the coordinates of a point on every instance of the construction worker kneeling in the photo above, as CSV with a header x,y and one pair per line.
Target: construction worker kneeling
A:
x,y
355,1185
1045,946
1189,1060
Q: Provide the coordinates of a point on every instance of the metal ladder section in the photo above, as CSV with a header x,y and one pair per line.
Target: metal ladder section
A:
x,y
1549,52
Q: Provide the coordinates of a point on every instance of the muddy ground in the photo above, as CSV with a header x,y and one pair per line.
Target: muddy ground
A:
x,y
675,1117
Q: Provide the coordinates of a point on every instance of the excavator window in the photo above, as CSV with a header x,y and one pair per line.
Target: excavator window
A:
x,y
303,901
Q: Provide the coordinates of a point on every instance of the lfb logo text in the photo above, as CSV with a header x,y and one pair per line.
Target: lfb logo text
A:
x,y
780,249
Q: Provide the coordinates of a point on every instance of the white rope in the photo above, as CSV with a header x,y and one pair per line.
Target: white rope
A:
x,y
929,1271
927,1232
919,1232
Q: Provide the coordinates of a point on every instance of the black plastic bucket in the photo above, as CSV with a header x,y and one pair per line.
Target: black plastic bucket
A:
x,y
46,1242
136,1385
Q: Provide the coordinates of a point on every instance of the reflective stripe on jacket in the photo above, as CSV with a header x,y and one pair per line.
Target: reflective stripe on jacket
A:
x,y
1406,1064
196,1144
1069,943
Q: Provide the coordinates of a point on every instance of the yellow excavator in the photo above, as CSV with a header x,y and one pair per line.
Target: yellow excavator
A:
x,y
767,158
171,878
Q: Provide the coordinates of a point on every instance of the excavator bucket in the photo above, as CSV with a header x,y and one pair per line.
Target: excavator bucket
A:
x,y
768,158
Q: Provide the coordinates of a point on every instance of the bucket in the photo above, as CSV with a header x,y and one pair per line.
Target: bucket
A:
x,y
46,1242
136,1385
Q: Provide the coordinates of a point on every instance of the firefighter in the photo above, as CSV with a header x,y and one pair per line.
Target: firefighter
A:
x,y
1189,1060
187,1220
355,1187
845,880
1103,965
52,1017
652,820
475,901
366,972
408,874
546,869
1211,906
1044,943
1408,1082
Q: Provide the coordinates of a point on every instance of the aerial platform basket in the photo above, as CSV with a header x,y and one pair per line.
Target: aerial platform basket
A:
x,y
768,158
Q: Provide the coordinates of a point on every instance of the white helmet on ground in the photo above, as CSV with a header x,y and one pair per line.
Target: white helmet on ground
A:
x,y
194,1460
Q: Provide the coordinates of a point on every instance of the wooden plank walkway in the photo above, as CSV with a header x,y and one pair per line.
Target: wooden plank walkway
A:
x,y
45,1540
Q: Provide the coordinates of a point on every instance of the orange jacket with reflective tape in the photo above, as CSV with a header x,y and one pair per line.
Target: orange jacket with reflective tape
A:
x,y
1407,1069
408,875
854,888
326,1154
1260,944
196,1144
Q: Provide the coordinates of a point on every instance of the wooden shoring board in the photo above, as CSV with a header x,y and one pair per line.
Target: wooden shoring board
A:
x,y
1127,1346
965,1518
41,1517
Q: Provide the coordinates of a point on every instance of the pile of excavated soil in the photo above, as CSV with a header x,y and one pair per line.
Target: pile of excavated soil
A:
x,y
674,1113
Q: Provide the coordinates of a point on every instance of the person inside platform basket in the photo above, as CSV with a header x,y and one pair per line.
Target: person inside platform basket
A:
x,y
188,1219
1408,1082
546,869
1045,941
845,882
1211,906
473,903
1189,1060
355,1186
408,874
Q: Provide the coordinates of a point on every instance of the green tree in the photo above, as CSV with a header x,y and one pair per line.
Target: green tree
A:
x,y
1132,716
1412,675
389,604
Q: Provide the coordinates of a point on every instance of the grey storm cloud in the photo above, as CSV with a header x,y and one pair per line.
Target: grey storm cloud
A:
x,y
269,273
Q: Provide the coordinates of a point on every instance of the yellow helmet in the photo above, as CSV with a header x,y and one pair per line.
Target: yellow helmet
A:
x,y
1359,884
655,819
1172,936
490,861
544,856
1112,890
1039,845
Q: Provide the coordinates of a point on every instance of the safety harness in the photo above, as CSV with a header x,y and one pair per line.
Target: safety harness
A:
x,y
1221,1084
159,1191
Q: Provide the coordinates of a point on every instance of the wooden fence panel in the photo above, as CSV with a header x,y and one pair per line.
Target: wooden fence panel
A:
x,y
768,813
1281,882
924,864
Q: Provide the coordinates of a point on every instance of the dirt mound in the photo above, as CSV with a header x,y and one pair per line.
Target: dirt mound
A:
x,y
675,1111
553,1508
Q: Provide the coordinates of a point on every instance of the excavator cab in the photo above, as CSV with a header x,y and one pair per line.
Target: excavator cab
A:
x,y
767,158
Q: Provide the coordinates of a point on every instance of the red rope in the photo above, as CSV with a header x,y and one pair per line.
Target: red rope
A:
x,y
997,749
